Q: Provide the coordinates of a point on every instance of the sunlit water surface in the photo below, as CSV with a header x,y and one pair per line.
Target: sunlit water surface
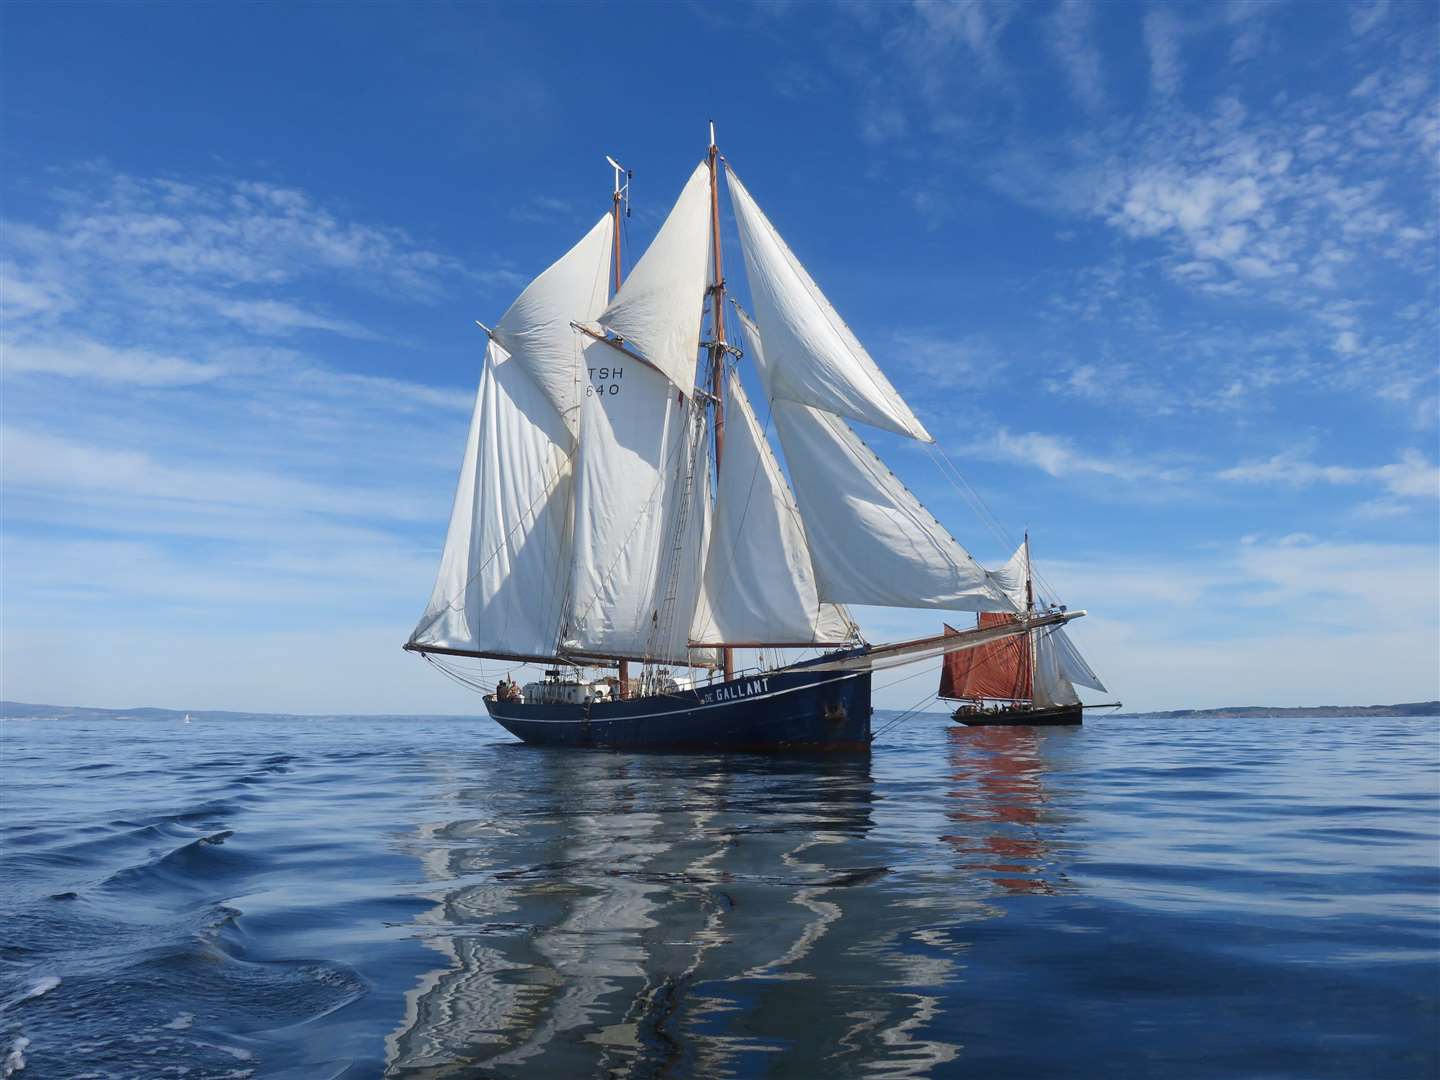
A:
x,y
358,897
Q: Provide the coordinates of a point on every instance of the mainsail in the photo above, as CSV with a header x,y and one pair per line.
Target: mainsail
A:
x,y
814,357
500,588
1000,669
642,501
759,584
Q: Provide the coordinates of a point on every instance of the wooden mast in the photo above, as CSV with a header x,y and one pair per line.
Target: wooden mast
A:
x,y
1029,613
717,346
624,671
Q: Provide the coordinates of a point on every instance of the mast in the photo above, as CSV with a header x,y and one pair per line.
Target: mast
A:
x,y
624,669
717,346
1029,589
1029,610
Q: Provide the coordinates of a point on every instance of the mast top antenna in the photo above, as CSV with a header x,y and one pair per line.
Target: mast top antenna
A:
x,y
712,134
622,190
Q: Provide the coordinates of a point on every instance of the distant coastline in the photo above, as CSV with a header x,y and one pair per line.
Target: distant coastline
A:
x,y
18,709
1295,712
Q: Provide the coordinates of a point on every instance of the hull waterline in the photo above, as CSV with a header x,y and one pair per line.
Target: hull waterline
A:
x,y
790,710
1059,716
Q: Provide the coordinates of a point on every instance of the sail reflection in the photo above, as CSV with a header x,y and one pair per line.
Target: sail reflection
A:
x,y
998,804
632,915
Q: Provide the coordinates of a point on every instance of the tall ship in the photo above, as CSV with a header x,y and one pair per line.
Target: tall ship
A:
x,y
622,518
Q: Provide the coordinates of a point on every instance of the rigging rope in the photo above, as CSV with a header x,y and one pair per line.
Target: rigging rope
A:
x,y
987,517
909,713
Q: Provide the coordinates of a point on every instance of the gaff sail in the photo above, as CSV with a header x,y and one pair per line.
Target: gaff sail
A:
x,y
1000,669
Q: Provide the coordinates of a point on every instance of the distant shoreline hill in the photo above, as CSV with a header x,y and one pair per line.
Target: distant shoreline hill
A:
x,y
1297,712
22,709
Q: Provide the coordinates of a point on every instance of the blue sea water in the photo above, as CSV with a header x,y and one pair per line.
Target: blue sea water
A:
x,y
359,897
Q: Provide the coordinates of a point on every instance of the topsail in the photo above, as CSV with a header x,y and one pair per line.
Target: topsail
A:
x,y
658,309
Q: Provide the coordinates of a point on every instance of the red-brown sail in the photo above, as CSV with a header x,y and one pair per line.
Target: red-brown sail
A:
x,y
1000,669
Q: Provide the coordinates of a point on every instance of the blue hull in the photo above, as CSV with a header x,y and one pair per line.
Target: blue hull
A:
x,y
781,710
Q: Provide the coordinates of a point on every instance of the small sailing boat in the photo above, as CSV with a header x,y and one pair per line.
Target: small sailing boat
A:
x,y
1025,679
611,512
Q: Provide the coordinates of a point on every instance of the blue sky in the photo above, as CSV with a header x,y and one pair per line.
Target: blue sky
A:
x,y
1162,279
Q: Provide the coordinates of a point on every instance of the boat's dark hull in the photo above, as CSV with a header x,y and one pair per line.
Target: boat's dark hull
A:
x,y
1059,716
781,710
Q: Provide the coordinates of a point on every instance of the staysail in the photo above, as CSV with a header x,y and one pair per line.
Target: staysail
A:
x,y
814,357
642,502
500,589
658,309
1000,669
871,541
759,584
536,330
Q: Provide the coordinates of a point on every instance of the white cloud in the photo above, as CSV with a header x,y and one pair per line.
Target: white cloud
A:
x,y
1059,457
1072,38
1365,17
51,465
1163,33
1411,477
80,358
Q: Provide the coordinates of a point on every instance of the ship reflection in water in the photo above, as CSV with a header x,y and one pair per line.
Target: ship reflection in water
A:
x,y
615,914
1003,826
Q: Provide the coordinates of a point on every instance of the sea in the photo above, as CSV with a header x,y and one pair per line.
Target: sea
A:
x,y
361,897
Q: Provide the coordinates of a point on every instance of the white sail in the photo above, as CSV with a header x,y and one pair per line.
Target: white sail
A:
x,y
814,359
871,541
759,584
641,516
501,585
536,330
1071,664
1011,578
1051,686
658,309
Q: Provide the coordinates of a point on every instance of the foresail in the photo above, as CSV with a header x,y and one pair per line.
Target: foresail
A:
x,y
1071,664
536,329
1052,686
812,356
759,586
658,309
642,500
502,576
871,541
